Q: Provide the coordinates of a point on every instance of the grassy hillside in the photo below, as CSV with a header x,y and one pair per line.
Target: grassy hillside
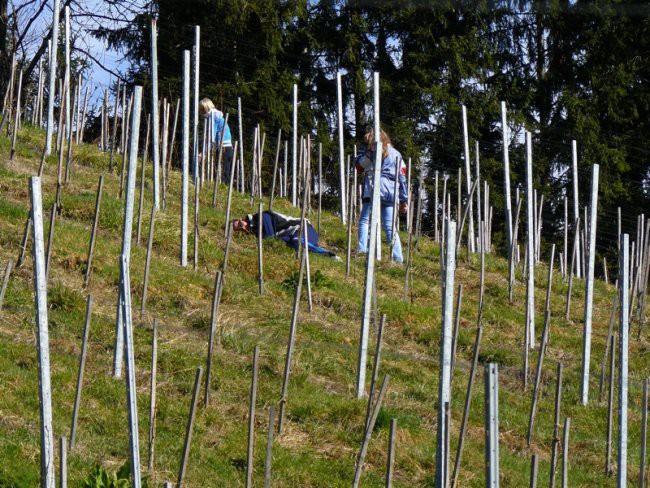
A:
x,y
325,423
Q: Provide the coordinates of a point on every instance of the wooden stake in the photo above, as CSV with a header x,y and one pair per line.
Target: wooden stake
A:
x,y
454,338
610,332
291,342
147,263
511,254
63,462
390,460
610,410
155,114
23,242
269,448
623,281
115,124
50,240
142,176
152,393
375,368
5,281
576,238
93,232
214,320
80,374
190,427
556,425
251,420
17,120
533,471
368,432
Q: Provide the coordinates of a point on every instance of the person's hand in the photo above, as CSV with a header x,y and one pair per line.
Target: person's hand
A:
x,y
403,208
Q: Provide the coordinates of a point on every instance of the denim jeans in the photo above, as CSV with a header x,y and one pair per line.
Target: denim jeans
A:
x,y
387,224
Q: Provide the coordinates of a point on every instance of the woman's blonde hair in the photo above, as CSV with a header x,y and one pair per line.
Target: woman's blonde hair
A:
x,y
205,106
369,139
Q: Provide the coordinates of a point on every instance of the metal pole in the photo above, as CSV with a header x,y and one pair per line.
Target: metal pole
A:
x,y
589,285
565,452
444,384
52,81
260,262
371,256
576,209
390,461
269,448
131,390
43,343
155,115
66,82
556,426
644,431
492,425
468,181
195,119
530,286
63,462
241,147
147,263
152,392
506,173
128,222
623,281
93,233
185,157
17,119
339,97
294,145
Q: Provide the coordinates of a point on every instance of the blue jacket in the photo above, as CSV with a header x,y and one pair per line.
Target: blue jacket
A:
x,y
365,163
218,123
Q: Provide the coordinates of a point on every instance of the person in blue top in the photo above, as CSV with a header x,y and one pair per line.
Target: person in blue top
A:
x,y
219,126
391,161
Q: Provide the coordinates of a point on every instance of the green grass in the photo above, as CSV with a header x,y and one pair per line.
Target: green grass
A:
x,y
323,428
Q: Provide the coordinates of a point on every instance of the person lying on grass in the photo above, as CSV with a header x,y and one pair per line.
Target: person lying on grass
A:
x,y
275,224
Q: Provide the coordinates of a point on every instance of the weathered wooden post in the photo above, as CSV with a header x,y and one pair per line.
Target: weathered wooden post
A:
x,y
185,156
155,113
142,178
251,420
49,131
269,448
371,256
5,281
368,432
93,233
390,460
50,242
128,226
14,136
63,462
42,338
444,388
623,281
190,427
556,426
533,471
152,393
589,285
492,425
147,263
80,375
610,409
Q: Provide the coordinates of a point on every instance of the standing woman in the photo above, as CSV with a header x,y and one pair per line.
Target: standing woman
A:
x,y
219,125
365,165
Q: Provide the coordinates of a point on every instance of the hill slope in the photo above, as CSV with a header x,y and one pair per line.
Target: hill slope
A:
x,y
325,423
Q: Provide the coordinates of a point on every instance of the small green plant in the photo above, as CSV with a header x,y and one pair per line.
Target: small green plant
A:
x,y
100,478
318,281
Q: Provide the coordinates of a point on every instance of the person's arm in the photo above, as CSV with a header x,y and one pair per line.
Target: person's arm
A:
x,y
403,190
364,160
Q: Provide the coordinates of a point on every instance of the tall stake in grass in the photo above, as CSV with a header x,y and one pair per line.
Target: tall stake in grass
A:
x,y
142,177
529,339
93,233
291,342
14,136
368,432
556,426
565,452
623,280
454,337
42,337
533,471
80,374
50,241
185,156
492,425
610,332
375,368
511,254
52,82
63,462
269,448
644,431
260,261
390,459
190,427
155,115
152,393
147,263
5,281
216,298
251,420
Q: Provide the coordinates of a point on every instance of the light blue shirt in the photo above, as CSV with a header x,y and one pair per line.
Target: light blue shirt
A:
x,y
218,123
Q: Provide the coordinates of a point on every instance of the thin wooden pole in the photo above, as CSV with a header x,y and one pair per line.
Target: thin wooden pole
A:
x,y
610,333
269,448
576,210
5,281
275,169
250,457
42,338
17,120
454,337
190,427
294,153
142,178
574,263
468,181
214,320
375,368
63,462
511,254
115,124
533,471
390,459
23,242
50,241
506,176
93,232
342,175
610,409
555,444
368,432
147,263
152,394
80,375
